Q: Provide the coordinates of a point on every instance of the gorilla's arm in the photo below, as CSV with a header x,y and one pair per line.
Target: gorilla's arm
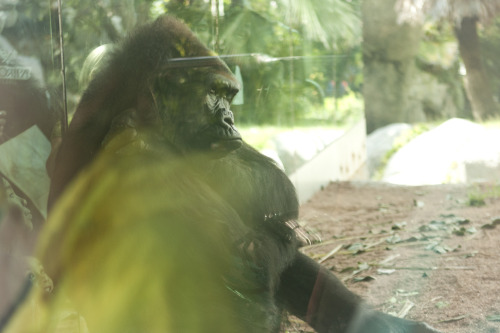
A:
x,y
312,293
253,185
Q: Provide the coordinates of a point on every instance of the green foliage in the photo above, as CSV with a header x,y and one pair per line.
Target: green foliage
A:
x,y
324,20
346,110
438,46
89,24
265,36
343,111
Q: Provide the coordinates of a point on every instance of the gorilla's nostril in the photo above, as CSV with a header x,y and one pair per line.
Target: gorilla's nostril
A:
x,y
226,117
229,120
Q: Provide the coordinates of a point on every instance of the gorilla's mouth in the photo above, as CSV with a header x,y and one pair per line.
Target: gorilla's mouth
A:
x,y
226,146
216,147
218,140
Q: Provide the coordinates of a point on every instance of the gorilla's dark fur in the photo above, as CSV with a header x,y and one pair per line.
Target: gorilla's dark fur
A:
x,y
136,72
197,176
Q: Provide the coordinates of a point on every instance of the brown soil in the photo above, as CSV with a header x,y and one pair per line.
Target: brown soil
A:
x,y
438,249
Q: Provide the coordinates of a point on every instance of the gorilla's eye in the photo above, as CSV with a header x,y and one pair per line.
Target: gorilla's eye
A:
x,y
31,276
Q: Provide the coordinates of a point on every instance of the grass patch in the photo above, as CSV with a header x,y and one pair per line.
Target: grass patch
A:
x,y
479,194
340,114
260,136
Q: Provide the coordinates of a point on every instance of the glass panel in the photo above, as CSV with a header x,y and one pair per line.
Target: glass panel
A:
x,y
31,90
300,82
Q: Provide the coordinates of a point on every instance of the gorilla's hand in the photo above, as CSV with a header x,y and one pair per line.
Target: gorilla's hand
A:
x,y
377,322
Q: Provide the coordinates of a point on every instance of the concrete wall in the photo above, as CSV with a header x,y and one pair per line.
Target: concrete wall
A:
x,y
343,159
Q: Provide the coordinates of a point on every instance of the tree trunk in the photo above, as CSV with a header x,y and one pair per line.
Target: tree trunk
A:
x,y
389,52
477,85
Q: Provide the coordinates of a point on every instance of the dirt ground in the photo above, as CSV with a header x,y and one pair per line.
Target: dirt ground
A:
x,y
427,253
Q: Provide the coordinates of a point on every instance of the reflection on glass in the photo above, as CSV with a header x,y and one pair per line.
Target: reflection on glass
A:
x,y
28,118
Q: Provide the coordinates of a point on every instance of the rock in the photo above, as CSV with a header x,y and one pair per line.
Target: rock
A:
x,y
380,142
481,157
456,151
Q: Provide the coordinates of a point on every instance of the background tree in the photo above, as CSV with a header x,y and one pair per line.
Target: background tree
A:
x,y
490,49
466,16
389,52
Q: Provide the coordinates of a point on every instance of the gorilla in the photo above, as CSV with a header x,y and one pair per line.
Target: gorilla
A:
x,y
164,220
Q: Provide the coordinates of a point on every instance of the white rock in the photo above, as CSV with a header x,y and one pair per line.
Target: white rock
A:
x,y
445,154
481,157
379,142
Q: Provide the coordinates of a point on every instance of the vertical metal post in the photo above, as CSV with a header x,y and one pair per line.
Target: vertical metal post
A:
x,y
292,74
64,125
217,18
